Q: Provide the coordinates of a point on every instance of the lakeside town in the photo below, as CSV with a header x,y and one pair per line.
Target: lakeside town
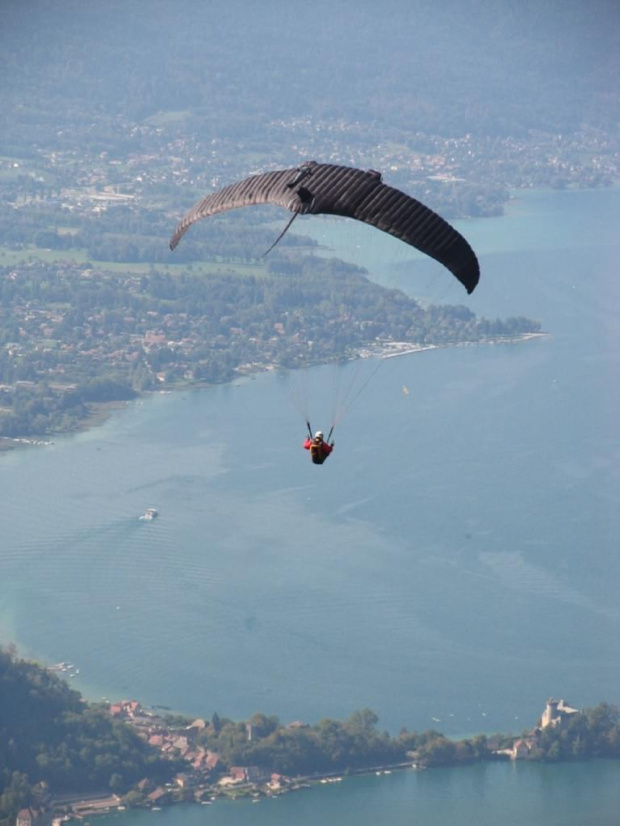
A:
x,y
76,336
153,163
206,778
119,202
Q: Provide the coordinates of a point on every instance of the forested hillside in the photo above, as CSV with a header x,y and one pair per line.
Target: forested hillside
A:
x,y
49,734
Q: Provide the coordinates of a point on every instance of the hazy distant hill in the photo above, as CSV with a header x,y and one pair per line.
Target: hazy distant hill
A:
x,y
452,67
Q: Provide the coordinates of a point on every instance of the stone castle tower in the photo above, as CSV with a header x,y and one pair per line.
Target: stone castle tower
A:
x,y
555,712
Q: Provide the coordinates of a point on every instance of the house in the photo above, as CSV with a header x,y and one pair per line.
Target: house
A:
x,y
213,760
199,760
159,797
297,724
33,817
182,744
277,781
521,748
248,774
126,708
197,726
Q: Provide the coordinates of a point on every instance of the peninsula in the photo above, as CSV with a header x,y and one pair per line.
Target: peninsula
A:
x,y
78,336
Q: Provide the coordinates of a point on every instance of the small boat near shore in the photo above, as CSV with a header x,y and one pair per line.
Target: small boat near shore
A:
x,y
150,514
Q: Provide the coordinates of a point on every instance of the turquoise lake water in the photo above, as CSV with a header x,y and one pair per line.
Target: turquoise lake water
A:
x,y
453,565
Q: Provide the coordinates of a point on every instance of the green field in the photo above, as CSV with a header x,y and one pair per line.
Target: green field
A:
x,y
10,257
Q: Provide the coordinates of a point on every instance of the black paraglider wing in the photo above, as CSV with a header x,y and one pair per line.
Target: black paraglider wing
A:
x,y
327,189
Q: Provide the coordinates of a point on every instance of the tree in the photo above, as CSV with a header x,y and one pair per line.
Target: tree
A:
x,y
15,796
362,722
117,784
263,726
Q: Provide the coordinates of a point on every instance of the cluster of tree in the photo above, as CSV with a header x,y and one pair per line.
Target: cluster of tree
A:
x,y
301,750
593,733
431,748
38,408
356,743
331,745
50,738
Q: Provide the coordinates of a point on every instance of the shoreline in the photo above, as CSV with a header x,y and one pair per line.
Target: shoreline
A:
x,y
402,348
100,412
245,782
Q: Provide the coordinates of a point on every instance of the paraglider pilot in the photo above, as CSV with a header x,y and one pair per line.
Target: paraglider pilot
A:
x,y
318,447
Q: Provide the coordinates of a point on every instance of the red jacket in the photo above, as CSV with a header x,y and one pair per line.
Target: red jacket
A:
x,y
319,450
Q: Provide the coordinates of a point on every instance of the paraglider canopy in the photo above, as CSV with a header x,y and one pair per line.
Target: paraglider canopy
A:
x,y
326,189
